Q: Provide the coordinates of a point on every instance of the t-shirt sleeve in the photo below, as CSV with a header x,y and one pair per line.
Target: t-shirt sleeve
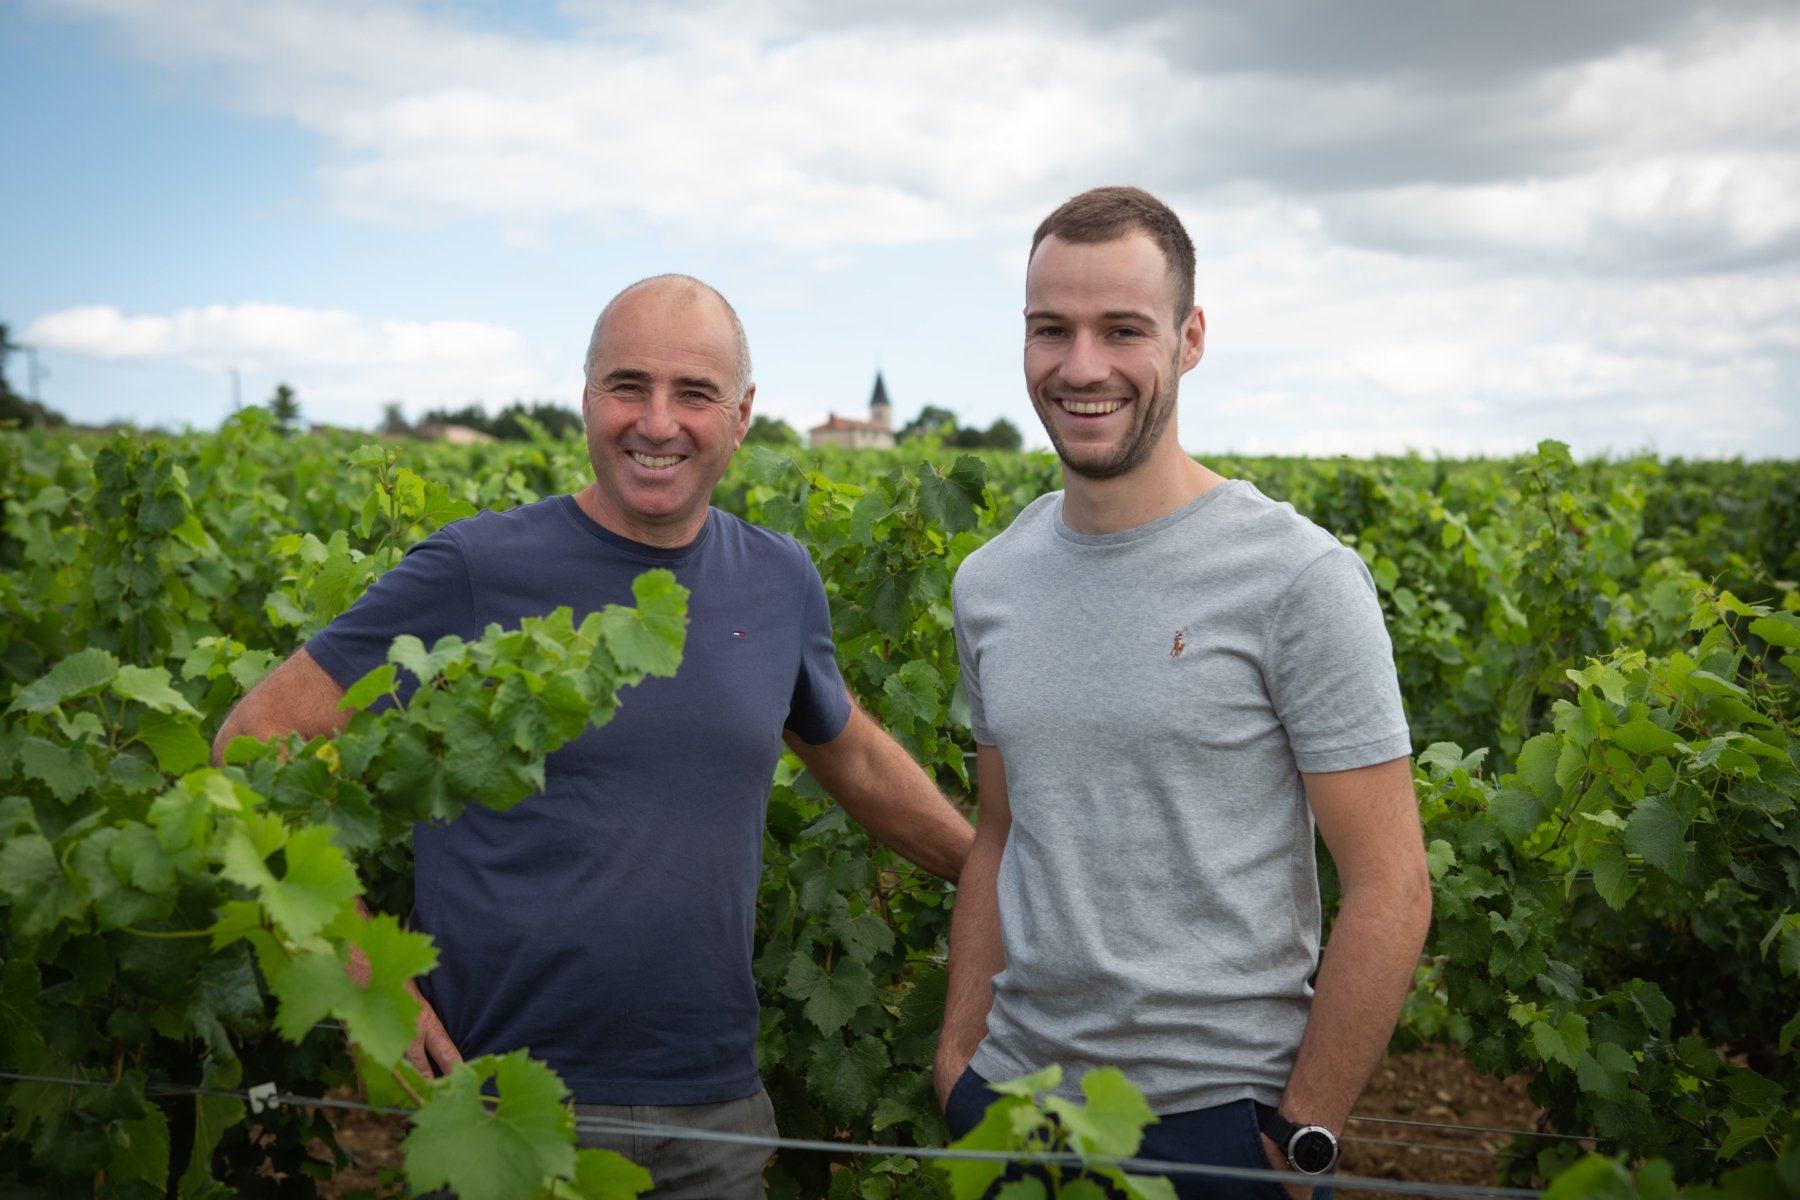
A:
x,y
970,675
1329,667
820,707
426,594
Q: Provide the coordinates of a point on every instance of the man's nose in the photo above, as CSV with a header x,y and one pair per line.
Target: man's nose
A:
x,y
656,420
1084,365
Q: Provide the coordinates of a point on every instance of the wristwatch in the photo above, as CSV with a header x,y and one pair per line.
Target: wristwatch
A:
x,y
1310,1149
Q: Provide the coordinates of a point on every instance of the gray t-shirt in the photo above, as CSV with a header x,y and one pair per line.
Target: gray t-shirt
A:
x,y
1155,695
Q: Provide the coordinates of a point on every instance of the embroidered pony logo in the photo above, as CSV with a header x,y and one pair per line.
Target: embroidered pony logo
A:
x,y
1180,643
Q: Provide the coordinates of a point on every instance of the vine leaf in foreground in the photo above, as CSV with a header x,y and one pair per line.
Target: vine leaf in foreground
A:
x,y
493,1151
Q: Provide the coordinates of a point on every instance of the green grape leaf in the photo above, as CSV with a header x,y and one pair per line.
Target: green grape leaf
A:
x,y
1148,1187
1742,1132
80,674
1612,877
1563,1043
496,1153
69,1145
888,600
850,1078
1113,1120
1440,758
1537,768
409,492
914,696
604,1175
1782,630
649,640
862,936
307,989
441,507
971,1178
174,740
319,881
409,652
948,501
1517,812
141,1151
67,771
1607,1072
370,688
1571,764
213,1115
150,687
1592,1178
116,903
21,1023
1644,737
1440,856
43,895
832,997
1655,834
383,1017
1028,1086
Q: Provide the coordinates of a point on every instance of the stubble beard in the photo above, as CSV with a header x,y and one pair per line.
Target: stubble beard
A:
x,y
1135,448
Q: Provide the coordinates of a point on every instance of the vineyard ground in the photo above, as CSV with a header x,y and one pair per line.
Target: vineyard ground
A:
x,y
1434,1083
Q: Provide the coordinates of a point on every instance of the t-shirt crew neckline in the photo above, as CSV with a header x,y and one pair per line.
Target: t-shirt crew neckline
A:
x,y
1148,528
664,555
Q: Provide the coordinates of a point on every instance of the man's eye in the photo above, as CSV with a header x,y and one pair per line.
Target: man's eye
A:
x,y
1047,331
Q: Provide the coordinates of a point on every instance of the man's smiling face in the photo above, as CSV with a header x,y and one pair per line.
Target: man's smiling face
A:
x,y
662,410
1104,351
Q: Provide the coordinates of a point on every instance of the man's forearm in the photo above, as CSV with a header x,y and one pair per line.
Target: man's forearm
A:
x,y
1363,979
890,795
976,956
918,822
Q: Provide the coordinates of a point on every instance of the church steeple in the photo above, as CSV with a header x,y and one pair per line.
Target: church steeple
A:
x,y
880,411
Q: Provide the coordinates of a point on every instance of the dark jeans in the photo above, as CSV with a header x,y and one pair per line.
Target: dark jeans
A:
x,y
1225,1135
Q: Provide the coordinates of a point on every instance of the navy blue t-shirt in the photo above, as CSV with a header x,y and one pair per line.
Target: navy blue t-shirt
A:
x,y
606,923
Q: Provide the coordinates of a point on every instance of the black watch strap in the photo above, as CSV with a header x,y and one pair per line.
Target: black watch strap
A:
x,y
1284,1133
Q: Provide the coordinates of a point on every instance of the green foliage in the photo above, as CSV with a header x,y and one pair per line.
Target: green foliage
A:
x,y
1030,1121
1615,873
772,431
166,920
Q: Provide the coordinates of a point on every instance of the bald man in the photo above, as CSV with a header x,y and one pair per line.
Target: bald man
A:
x,y
607,921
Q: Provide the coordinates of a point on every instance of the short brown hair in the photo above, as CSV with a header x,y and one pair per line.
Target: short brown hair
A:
x,y
1107,213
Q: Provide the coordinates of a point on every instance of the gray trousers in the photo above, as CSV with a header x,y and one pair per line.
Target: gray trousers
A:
x,y
690,1169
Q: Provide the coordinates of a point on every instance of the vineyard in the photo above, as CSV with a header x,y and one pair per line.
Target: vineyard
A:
x,y
1598,661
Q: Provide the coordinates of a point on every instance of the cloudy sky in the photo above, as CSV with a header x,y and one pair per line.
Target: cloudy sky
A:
x,y
1445,225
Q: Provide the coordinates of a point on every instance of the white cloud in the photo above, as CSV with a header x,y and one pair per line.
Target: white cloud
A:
x,y
1585,214
344,364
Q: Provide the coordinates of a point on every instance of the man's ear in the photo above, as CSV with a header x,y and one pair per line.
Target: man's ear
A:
x,y
1193,339
744,413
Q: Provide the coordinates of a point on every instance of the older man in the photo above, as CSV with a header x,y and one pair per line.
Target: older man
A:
x,y
607,922
1171,679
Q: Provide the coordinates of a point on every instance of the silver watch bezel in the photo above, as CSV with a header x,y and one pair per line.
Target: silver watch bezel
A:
x,y
1301,1131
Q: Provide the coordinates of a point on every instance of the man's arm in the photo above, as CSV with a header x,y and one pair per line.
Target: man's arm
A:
x,y
296,697
1369,819
976,952
887,793
299,697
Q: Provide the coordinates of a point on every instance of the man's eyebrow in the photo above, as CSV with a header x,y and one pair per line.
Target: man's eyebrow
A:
x,y
639,375
1111,314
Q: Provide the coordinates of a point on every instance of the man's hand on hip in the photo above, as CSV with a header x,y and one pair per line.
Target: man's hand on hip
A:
x,y
432,1052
